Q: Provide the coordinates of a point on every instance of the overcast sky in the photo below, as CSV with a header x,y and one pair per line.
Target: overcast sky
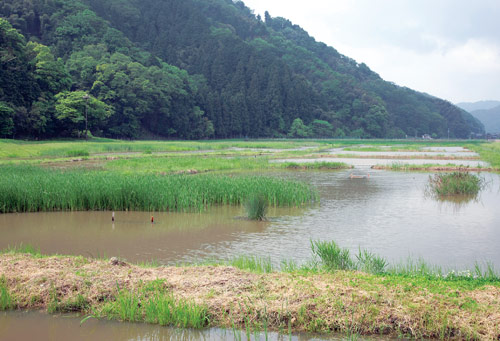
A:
x,y
447,48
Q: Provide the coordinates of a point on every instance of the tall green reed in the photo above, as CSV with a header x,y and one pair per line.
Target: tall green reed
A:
x,y
455,183
32,189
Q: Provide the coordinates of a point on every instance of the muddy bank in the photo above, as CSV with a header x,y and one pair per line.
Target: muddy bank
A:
x,y
335,302
433,168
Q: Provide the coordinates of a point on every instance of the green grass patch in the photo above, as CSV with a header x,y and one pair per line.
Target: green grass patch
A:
x,y
252,264
33,189
455,183
61,148
23,248
332,256
7,302
153,303
186,163
489,152
315,165
75,153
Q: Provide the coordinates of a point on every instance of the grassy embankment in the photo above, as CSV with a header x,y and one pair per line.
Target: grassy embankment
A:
x,y
326,295
12,149
488,151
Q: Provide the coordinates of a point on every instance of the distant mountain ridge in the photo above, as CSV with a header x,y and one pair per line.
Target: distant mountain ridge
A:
x,y
490,119
488,112
480,105
195,69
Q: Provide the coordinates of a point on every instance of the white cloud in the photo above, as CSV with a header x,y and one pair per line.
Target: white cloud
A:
x,y
448,48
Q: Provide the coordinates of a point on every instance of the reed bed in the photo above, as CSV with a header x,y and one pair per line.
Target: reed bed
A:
x,y
256,207
33,189
455,183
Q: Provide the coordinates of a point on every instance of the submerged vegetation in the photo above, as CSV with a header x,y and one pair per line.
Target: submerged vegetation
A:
x,y
456,183
32,189
256,206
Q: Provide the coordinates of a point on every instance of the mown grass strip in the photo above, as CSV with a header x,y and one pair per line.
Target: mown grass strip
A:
x,y
315,165
32,189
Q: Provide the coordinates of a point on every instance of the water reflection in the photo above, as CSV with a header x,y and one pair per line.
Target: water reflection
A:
x,y
387,213
13,326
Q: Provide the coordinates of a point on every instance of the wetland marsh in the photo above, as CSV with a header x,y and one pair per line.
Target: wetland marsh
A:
x,y
385,212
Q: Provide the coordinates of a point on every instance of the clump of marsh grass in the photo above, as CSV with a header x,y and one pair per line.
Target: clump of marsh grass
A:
x,y
256,206
152,303
23,248
455,183
253,264
6,299
370,262
332,256
165,310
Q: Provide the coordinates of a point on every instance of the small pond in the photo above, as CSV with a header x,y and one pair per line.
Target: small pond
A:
x,y
388,214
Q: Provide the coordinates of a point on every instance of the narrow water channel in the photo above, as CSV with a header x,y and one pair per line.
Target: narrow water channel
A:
x,y
33,325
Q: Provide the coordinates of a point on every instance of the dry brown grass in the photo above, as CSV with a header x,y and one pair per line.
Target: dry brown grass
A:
x,y
340,301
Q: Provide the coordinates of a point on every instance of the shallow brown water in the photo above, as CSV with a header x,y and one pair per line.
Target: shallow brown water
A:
x,y
22,326
131,236
388,214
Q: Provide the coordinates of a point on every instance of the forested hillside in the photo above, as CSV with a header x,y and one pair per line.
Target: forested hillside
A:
x,y
193,69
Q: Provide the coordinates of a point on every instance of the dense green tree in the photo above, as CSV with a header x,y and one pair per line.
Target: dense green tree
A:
x,y
197,69
299,129
6,119
321,128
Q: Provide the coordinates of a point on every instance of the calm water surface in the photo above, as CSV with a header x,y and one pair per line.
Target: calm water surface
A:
x,y
43,327
388,213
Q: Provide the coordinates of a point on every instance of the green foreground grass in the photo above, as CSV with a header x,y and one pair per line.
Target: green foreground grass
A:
x,y
329,294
